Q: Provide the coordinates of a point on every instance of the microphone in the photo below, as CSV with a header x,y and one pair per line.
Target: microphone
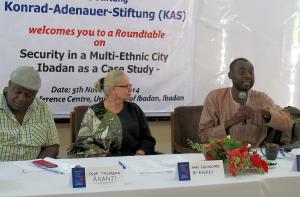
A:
x,y
289,147
243,99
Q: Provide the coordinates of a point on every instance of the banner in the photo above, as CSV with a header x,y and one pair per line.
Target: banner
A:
x,y
264,32
174,51
74,43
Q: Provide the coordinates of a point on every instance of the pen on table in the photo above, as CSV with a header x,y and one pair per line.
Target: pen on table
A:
x,y
121,164
282,152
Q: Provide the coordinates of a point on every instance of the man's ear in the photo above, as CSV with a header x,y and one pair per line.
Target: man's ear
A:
x,y
230,75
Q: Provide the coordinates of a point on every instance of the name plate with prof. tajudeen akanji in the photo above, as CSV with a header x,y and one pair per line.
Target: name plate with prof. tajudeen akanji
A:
x,y
207,169
96,176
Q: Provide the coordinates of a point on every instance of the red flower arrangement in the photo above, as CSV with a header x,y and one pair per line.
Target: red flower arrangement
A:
x,y
238,158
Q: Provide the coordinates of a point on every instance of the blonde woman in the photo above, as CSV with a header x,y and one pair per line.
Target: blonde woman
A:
x,y
113,127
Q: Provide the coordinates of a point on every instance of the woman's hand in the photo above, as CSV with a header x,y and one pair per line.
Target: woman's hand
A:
x,y
140,152
99,155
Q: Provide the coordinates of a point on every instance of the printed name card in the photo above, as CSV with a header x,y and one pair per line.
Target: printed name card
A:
x,y
78,177
207,169
183,171
103,176
296,163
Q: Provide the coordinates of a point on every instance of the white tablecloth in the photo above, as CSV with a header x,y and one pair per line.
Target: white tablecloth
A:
x,y
18,180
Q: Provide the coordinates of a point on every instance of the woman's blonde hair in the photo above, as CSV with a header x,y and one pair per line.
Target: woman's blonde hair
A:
x,y
105,83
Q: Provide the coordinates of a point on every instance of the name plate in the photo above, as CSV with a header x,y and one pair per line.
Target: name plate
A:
x,y
78,177
207,169
296,163
104,176
183,171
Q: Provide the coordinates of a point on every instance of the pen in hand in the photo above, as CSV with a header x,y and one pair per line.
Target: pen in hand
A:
x,y
121,164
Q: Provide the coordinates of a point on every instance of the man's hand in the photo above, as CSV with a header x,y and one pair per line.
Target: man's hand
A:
x,y
49,151
243,113
266,114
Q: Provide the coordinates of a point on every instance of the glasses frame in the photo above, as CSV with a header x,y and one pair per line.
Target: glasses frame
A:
x,y
124,86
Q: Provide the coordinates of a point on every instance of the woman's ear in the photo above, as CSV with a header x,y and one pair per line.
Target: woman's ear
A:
x,y
230,75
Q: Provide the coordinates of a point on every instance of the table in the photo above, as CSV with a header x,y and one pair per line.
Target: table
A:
x,y
280,181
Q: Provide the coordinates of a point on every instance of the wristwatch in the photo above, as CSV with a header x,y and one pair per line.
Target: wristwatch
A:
x,y
267,115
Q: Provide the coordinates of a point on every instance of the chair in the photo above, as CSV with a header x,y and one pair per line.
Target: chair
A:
x,y
75,120
296,133
276,136
184,125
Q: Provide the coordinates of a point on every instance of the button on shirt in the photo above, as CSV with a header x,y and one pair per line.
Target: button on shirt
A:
x,y
24,142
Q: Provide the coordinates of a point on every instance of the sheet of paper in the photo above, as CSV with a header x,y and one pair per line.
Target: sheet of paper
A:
x,y
26,166
62,166
172,162
146,166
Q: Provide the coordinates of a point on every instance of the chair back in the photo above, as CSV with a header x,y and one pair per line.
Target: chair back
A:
x,y
277,137
75,120
296,133
185,125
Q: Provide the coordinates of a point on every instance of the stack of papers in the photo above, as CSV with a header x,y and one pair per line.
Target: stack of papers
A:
x,y
62,166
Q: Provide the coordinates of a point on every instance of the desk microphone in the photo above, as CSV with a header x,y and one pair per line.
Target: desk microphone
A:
x,y
243,99
289,147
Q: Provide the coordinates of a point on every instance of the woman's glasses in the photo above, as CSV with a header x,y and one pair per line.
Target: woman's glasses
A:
x,y
124,86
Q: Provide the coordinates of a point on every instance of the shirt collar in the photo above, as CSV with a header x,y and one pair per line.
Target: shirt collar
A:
x,y
249,93
2,100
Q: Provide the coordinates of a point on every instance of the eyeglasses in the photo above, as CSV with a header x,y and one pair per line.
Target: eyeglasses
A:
x,y
124,86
